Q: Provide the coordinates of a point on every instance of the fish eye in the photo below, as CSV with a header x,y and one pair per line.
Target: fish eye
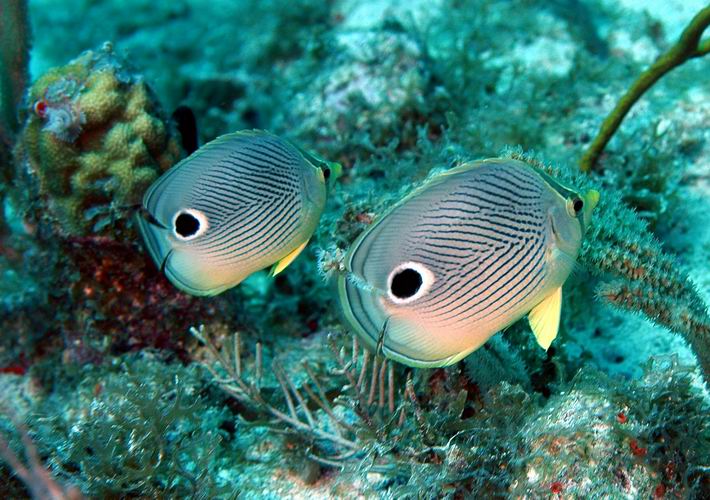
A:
x,y
578,205
575,206
188,224
408,282
326,173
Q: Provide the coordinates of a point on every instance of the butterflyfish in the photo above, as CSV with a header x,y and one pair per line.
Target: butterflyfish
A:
x,y
464,256
241,203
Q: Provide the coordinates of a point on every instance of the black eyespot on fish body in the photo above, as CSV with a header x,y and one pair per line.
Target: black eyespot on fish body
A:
x,y
406,283
189,224
186,225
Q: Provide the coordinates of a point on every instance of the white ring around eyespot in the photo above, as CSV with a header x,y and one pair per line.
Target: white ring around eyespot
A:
x,y
201,218
424,272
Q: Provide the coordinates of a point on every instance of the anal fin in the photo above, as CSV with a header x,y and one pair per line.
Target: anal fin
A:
x,y
284,263
544,318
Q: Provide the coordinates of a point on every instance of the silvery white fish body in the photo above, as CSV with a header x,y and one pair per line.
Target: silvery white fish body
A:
x,y
463,257
241,203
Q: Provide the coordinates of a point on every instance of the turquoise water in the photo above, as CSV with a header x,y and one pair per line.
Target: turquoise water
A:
x,y
115,383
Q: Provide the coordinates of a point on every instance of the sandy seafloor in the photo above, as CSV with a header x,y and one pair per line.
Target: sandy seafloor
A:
x,y
183,52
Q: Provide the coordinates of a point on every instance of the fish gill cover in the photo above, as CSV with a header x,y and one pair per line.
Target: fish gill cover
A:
x,y
115,384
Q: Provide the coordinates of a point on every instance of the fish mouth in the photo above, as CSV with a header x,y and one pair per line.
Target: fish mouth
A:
x,y
149,218
165,261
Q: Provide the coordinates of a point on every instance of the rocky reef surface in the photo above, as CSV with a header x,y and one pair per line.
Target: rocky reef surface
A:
x,y
129,388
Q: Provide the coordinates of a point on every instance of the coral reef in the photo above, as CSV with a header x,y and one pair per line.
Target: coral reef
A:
x,y
32,472
599,439
271,398
147,408
94,140
371,96
442,433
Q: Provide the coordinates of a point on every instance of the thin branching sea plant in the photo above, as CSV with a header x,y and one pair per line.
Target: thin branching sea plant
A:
x,y
307,410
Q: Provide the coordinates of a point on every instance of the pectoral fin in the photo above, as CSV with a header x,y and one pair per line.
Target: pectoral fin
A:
x,y
284,263
545,318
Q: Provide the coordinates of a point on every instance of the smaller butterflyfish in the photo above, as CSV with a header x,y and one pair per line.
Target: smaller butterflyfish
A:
x,y
239,204
467,254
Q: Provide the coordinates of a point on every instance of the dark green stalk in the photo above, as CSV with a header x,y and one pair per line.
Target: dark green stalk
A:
x,y
14,57
14,62
688,47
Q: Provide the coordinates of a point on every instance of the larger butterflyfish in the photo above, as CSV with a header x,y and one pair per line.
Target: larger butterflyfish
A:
x,y
241,203
464,256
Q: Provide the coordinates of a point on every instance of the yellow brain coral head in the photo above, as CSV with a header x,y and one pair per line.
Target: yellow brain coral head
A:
x,y
94,138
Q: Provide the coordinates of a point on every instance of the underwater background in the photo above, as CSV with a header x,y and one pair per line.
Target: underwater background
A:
x,y
115,384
